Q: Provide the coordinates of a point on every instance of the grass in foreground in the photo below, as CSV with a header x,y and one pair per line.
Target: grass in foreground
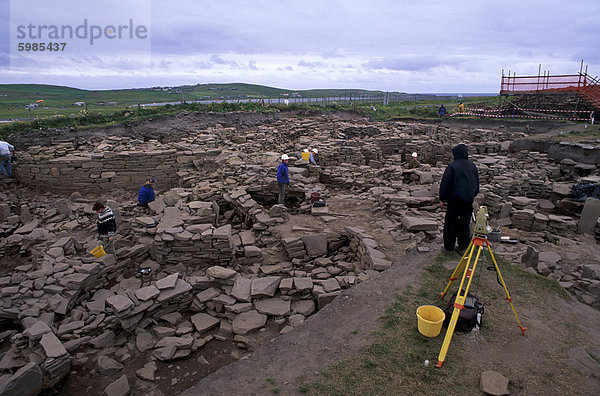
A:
x,y
394,363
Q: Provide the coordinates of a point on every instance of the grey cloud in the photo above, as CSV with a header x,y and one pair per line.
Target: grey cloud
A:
x,y
413,63
303,63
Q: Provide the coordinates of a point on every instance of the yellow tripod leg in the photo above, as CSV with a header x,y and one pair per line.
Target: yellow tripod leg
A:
x,y
459,302
506,290
458,270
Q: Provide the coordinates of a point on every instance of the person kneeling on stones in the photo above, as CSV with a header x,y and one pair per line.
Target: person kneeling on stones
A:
x,y
146,193
107,227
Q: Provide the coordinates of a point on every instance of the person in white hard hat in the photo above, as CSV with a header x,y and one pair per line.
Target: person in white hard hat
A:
x,y
414,162
283,178
312,156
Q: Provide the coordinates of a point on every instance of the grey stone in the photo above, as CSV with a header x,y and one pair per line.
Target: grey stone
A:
x,y
252,251
103,340
412,223
273,306
303,307
530,258
147,372
265,287
303,284
27,381
315,245
119,303
204,322
181,287
296,320
177,342
144,342
147,293
493,383
589,216
326,298
118,388
52,346
207,295
591,271
36,331
219,272
330,285
168,282
550,258
241,289
248,321
108,366
70,327
165,353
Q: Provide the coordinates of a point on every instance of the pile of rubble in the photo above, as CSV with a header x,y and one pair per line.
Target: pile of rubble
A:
x,y
208,261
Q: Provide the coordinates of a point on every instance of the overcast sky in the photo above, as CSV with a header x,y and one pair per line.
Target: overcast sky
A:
x,y
409,46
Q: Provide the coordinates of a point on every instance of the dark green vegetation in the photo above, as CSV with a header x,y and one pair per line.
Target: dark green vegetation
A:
x,y
394,362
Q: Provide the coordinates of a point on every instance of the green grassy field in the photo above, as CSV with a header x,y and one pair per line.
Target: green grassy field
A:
x,y
59,100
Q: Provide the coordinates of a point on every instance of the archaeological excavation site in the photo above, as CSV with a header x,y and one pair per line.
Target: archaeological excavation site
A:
x,y
216,279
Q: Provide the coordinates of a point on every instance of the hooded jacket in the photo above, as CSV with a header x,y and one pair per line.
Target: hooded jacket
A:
x,y
460,183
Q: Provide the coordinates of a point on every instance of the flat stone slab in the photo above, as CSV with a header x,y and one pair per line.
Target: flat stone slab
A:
x,y
273,306
52,346
315,245
248,321
119,303
204,322
493,383
168,282
265,287
219,272
412,223
118,388
147,293
241,289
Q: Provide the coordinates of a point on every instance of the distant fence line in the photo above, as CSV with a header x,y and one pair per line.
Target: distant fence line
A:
x,y
318,100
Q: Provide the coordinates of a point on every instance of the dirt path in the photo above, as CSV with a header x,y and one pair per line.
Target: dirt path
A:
x,y
336,332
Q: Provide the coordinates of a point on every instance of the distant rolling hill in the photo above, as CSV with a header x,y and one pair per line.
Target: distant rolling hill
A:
x,y
18,95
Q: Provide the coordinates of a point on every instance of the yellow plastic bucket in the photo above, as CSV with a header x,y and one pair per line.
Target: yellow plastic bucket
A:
x,y
430,319
98,251
305,156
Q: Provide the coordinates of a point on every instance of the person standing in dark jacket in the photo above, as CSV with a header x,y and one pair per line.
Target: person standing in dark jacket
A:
x,y
460,185
146,193
107,227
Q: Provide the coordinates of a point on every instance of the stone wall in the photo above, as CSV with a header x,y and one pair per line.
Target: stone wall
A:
x,y
62,169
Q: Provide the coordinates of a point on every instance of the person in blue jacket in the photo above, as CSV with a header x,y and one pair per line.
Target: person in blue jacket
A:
x,y
283,178
442,111
146,193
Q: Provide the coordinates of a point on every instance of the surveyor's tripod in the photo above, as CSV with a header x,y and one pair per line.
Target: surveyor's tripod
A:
x,y
467,267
